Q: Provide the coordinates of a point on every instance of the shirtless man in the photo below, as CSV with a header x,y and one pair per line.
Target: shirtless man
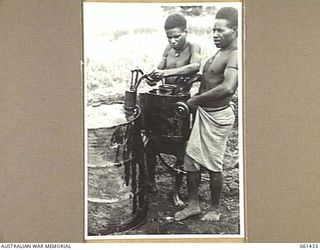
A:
x,y
214,117
180,58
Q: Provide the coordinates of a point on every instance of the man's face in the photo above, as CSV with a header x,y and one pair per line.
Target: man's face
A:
x,y
177,38
223,35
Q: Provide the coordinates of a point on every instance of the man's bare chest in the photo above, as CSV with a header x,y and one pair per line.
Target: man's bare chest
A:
x,y
178,60
216,65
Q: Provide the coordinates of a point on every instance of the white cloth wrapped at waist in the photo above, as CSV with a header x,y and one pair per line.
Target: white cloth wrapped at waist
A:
x,y
209,136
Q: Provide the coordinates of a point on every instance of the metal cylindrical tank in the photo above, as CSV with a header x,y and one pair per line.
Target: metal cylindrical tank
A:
x,y
161,120
117,197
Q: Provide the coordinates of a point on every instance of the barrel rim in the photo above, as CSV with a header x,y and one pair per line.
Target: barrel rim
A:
x,y
136,114
151,92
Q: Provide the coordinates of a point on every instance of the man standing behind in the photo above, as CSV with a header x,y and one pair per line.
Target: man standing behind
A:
x,y
180,58
214,117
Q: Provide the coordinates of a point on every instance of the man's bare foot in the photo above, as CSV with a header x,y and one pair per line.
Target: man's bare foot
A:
x,y
187,212
177,201
212,216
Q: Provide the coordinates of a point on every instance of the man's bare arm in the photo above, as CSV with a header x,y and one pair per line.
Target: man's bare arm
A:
x,y
163,63
191,68
226,89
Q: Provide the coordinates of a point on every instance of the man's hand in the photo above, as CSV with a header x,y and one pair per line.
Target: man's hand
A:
x,y
157,74
192,104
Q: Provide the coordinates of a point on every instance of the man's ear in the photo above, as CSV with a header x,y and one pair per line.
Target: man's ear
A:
x,y
235,29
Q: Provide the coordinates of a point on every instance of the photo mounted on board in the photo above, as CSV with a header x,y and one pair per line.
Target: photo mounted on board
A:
x,y
163,120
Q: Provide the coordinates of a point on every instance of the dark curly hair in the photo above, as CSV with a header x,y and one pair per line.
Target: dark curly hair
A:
x,y
175,21
230,14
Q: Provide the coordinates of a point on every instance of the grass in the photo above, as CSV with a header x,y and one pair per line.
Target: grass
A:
x,y
110,54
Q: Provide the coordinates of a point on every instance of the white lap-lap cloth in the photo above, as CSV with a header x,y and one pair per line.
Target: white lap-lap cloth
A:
x,y
208,138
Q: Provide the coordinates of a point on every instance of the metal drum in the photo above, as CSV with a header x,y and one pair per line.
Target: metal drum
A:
x,y
117,198
161,121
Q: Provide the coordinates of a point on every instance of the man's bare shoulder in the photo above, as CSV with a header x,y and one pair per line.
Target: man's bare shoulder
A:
x,y
226,56
233,59
195,48
167,50
234,53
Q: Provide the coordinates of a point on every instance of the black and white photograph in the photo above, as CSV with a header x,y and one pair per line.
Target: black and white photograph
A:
x,y
163,115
